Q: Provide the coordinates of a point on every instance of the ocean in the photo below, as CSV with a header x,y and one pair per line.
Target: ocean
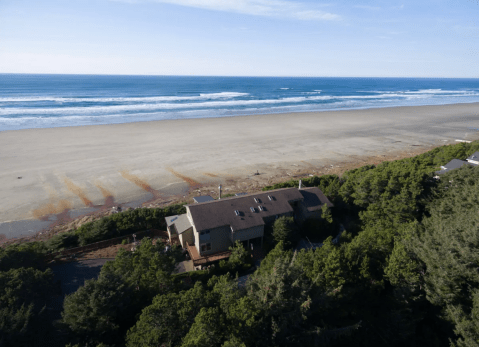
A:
x,y
46,101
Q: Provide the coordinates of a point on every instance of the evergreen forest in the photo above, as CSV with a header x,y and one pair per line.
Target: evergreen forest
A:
x,y
398,265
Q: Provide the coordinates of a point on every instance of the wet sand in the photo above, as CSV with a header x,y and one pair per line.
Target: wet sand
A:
x,y
53,175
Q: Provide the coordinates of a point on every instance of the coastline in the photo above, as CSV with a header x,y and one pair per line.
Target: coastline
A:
x,y
72,171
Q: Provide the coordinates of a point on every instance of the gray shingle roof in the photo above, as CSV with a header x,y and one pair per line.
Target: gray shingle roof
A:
x,y
181,222
203,198
474,156
453,164
214,214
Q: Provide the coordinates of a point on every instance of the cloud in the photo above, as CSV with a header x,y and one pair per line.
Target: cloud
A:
x,y
269,8
367,7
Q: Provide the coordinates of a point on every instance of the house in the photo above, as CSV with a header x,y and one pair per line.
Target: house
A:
x,y
474,159
208,229
203,198
456,164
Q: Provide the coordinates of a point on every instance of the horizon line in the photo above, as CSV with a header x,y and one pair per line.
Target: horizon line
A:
x,y
237,76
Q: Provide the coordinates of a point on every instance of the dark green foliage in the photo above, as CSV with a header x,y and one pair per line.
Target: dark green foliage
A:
x,y
168,318
316,230
118,224
23,295
126,222
28,254
240,259
148,268
99,230
207,330
447,246
99,311
62,241
125,286
267,263
404,274
285,230
287,304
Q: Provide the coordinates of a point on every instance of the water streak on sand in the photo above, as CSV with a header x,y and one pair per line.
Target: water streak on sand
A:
x,y
109,198
191,182
60,209
140,183
78,192
209,174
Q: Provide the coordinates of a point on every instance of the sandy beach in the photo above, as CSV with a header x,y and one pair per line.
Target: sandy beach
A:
x,y
58,173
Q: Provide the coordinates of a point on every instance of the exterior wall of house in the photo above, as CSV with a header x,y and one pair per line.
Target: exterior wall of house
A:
x,y
172,234
247,234
219,238
187,236
188,214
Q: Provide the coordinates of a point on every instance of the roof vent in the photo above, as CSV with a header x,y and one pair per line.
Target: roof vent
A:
x,y
257,200
271,197
237,212
261,208
252,209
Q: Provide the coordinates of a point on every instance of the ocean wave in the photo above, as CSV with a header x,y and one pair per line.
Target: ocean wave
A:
x,y
206,96
160,106
151,107
118,118
472,92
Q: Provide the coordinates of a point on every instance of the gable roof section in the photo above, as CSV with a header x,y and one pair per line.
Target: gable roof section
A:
x,y
181,222
314,199
453,164
474,156
203,198
218,213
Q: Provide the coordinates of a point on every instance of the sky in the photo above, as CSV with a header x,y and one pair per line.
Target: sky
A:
x,y
341,38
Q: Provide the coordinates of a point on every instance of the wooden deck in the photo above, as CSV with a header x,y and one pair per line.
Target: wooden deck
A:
x,y
207,259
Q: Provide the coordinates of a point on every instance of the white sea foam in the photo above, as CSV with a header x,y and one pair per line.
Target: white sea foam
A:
x,y
222,95
116,118
166,106
424,91
157,106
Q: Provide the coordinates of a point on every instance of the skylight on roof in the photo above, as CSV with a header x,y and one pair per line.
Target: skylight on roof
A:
x,y
271,197
252,209
257,200
261,208
237,212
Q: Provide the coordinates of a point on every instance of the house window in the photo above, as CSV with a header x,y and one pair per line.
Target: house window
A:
x,y
204,232
206,247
